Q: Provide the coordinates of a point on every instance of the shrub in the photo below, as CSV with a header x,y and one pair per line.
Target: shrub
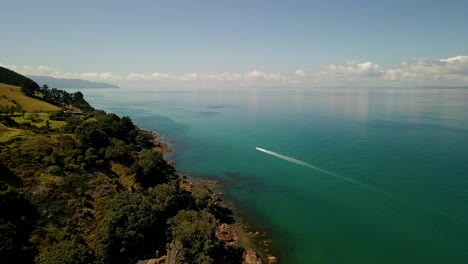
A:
x,y
194,237
66,252
54,169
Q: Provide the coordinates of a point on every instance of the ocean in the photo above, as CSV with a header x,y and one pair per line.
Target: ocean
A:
x,y
335,175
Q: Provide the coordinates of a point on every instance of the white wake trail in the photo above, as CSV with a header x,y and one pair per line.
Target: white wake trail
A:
x,y
372,188
303,163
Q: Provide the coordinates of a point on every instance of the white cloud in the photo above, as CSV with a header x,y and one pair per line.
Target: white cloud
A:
x,y
263,76
419,71
300,73
454,69
160,76
136,77
28,70
107,76
89,75
188,77
351,71
48,71
229,77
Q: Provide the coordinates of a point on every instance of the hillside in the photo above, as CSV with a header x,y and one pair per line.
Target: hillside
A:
x,y
28,86
11,95
69,83
97,190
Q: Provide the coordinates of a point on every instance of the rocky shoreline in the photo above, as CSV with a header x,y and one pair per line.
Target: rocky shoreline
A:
x,y
235,234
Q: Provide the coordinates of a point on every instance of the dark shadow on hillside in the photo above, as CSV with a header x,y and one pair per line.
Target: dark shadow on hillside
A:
x,y
224,214
230,255
8,177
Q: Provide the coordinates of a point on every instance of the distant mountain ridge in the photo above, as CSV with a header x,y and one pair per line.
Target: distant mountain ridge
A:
x,y
69,83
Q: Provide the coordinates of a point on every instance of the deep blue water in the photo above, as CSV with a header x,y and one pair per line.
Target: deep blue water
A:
x,y
366,175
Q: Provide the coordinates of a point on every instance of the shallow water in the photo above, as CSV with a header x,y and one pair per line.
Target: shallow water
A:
x,y
363,175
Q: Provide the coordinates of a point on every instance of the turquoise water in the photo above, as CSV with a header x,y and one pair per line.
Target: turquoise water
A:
x,y
365,176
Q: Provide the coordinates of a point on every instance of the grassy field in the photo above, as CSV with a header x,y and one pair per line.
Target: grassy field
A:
x,y
9,93
39,120
36,110
7,134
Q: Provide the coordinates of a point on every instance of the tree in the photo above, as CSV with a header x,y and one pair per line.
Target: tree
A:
x,y
143,139
18,108
126,124
45,89
167,198
193,237
72,123
77,100
203,198
89,135
151,168
122,230
118,151
66,252
28,87
57,115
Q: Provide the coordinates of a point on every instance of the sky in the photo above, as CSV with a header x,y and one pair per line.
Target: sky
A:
x,y
239,43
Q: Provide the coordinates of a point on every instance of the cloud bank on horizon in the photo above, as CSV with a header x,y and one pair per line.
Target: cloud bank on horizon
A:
x,y
451,71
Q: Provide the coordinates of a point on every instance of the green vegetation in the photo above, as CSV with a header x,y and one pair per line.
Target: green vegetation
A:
x,y
28,86
48,99
92,190
39,120
193,237
47,108
62,98
11,95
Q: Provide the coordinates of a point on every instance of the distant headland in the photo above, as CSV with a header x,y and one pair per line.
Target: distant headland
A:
x,y
69,83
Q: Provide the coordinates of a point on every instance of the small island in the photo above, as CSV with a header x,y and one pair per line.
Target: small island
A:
x,y
79,185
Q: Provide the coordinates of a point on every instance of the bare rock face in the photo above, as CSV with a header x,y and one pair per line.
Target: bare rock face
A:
x,y
250,257
272,260
226,233
175,255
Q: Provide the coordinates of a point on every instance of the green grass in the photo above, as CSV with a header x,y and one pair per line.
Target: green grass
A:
x,y
7,134
125,178
10,93
3,128
48,180
37,110
39,120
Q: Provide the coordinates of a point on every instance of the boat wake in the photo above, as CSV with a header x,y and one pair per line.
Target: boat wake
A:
x,y
305,164
388,210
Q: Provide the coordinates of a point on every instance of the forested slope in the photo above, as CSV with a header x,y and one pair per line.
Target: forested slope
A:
x,y
93,190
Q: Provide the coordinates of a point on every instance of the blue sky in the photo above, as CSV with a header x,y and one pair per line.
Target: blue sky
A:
x,y
286,42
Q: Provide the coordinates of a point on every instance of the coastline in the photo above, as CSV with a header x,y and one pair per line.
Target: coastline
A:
x,y
233,230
